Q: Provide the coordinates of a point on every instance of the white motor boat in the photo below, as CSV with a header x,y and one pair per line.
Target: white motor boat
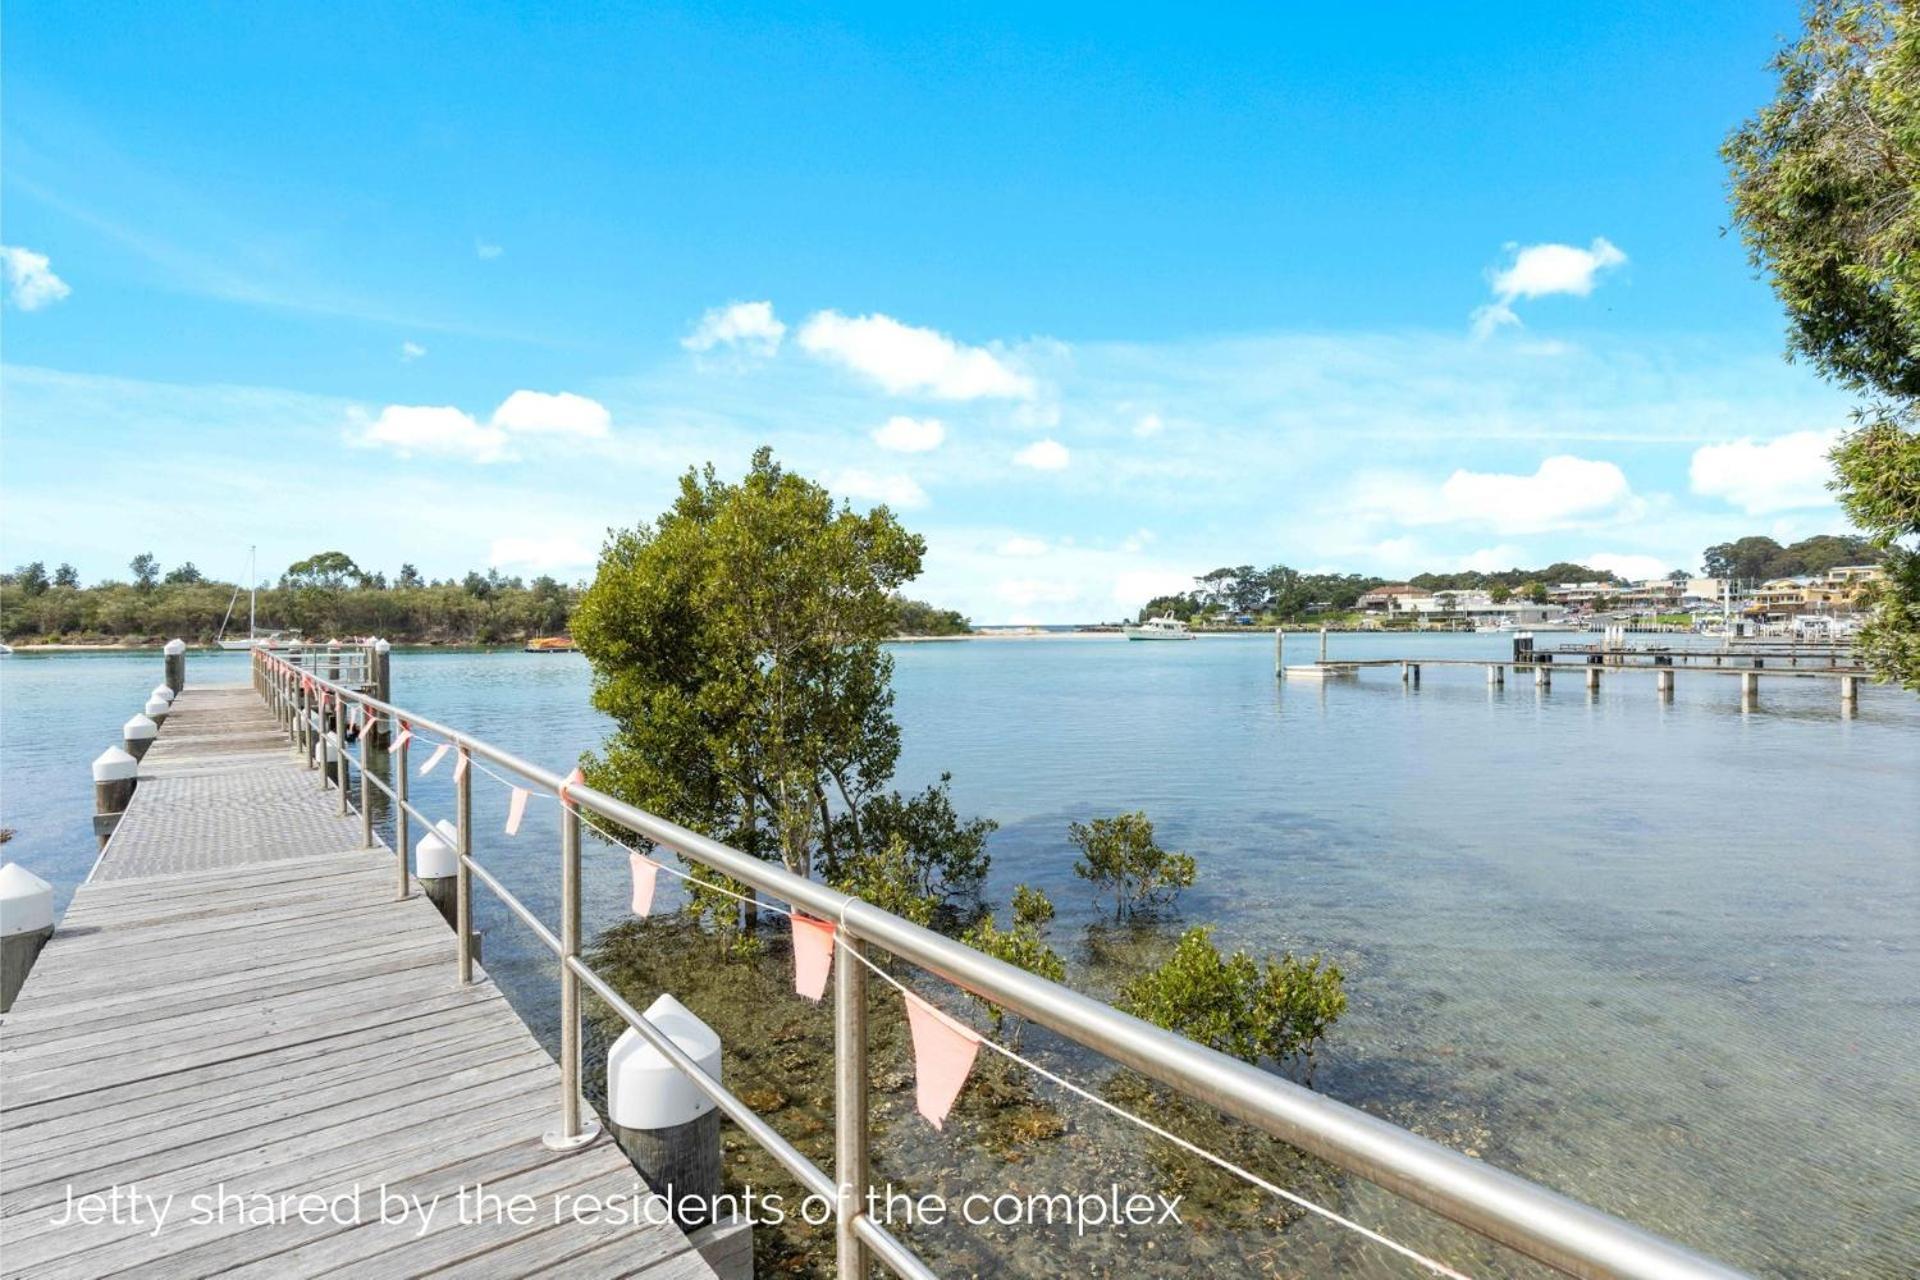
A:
x,y
1165,627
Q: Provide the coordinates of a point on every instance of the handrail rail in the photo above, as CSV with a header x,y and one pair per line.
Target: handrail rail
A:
x,y
1544,1225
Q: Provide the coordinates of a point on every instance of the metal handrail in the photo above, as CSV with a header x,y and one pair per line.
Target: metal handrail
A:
x,y
1544,1225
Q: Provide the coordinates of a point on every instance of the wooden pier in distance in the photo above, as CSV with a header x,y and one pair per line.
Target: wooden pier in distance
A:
x,y
236,1003
1749,664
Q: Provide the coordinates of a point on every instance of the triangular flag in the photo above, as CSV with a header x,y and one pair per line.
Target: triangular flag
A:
x,y
812,955
572,779
406,736
645,872
460,766
368,716
943,1052
516,810
439,754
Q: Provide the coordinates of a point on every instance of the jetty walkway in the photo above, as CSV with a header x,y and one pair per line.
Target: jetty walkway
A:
x,y
237,1010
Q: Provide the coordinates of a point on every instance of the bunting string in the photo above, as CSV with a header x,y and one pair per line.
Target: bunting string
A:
x,y
1436,1267
838,942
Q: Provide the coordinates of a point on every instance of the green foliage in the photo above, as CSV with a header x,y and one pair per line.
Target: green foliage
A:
x,y
327,571
1281,1010
31,578
947,854
737,645
1023,946
714,903
1757,558
887,878
183,573
1823,182
1120,854
192,610
1879,483
918,618
146,570
1821,185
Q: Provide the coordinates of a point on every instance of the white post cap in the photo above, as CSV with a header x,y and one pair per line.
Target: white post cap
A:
x,y
114,765
157,707
137,728
26,901
644,1090
174,648
434,857
161,691
381,646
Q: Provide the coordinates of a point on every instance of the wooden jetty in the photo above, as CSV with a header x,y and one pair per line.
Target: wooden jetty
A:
x,y
1589,662
237,1004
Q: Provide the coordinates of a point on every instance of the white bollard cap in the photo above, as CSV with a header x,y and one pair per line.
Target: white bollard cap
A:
x,y
162,692
174,648
644,1090
381,646
114,765
26,901
435,856
157,707
137,728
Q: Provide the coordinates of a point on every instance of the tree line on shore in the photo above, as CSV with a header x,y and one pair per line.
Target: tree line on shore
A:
x,y
321,596
1283,594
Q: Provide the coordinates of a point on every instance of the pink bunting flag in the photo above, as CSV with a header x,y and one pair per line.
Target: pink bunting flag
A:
x,y
368,717
439,754
573,779
406,736
645,872
812,955
460,766
516,810
943,1053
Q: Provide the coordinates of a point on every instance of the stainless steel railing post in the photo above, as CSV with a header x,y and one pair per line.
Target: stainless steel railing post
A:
x,y
366,777
850,1107
402,837
463,877
570,1133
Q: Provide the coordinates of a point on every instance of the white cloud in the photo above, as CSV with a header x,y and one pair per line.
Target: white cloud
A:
x,y
910,435
31,283
908,360
411,351
1761,476
894,490
1135,587
1493,559
1044,455
1563,492
561,414
1022,548
433,430
1149,426
747,326
1634,568
1139,540
1027,592
1541,270
486,252
551,553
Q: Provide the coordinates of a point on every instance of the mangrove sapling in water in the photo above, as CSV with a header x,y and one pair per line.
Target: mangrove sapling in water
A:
x,y
1120,854
1021,946
1281,1010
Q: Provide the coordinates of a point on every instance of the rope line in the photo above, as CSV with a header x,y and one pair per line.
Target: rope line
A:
x,y
1247,1175
1438,1268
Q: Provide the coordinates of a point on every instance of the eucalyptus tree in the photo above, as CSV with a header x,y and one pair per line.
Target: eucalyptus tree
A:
x,y
1823,183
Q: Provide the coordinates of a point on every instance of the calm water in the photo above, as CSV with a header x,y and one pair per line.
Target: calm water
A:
x,y
1663,957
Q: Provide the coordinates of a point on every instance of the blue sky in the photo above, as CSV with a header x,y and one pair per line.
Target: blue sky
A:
x,y
1098,299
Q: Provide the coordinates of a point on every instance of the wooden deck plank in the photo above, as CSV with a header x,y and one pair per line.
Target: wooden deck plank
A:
x,y
237,1000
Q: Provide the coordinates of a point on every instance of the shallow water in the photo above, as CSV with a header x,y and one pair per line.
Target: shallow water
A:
x,y
1663,957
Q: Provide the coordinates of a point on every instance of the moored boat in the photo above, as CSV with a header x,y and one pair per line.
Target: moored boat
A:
x,y
1165,627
